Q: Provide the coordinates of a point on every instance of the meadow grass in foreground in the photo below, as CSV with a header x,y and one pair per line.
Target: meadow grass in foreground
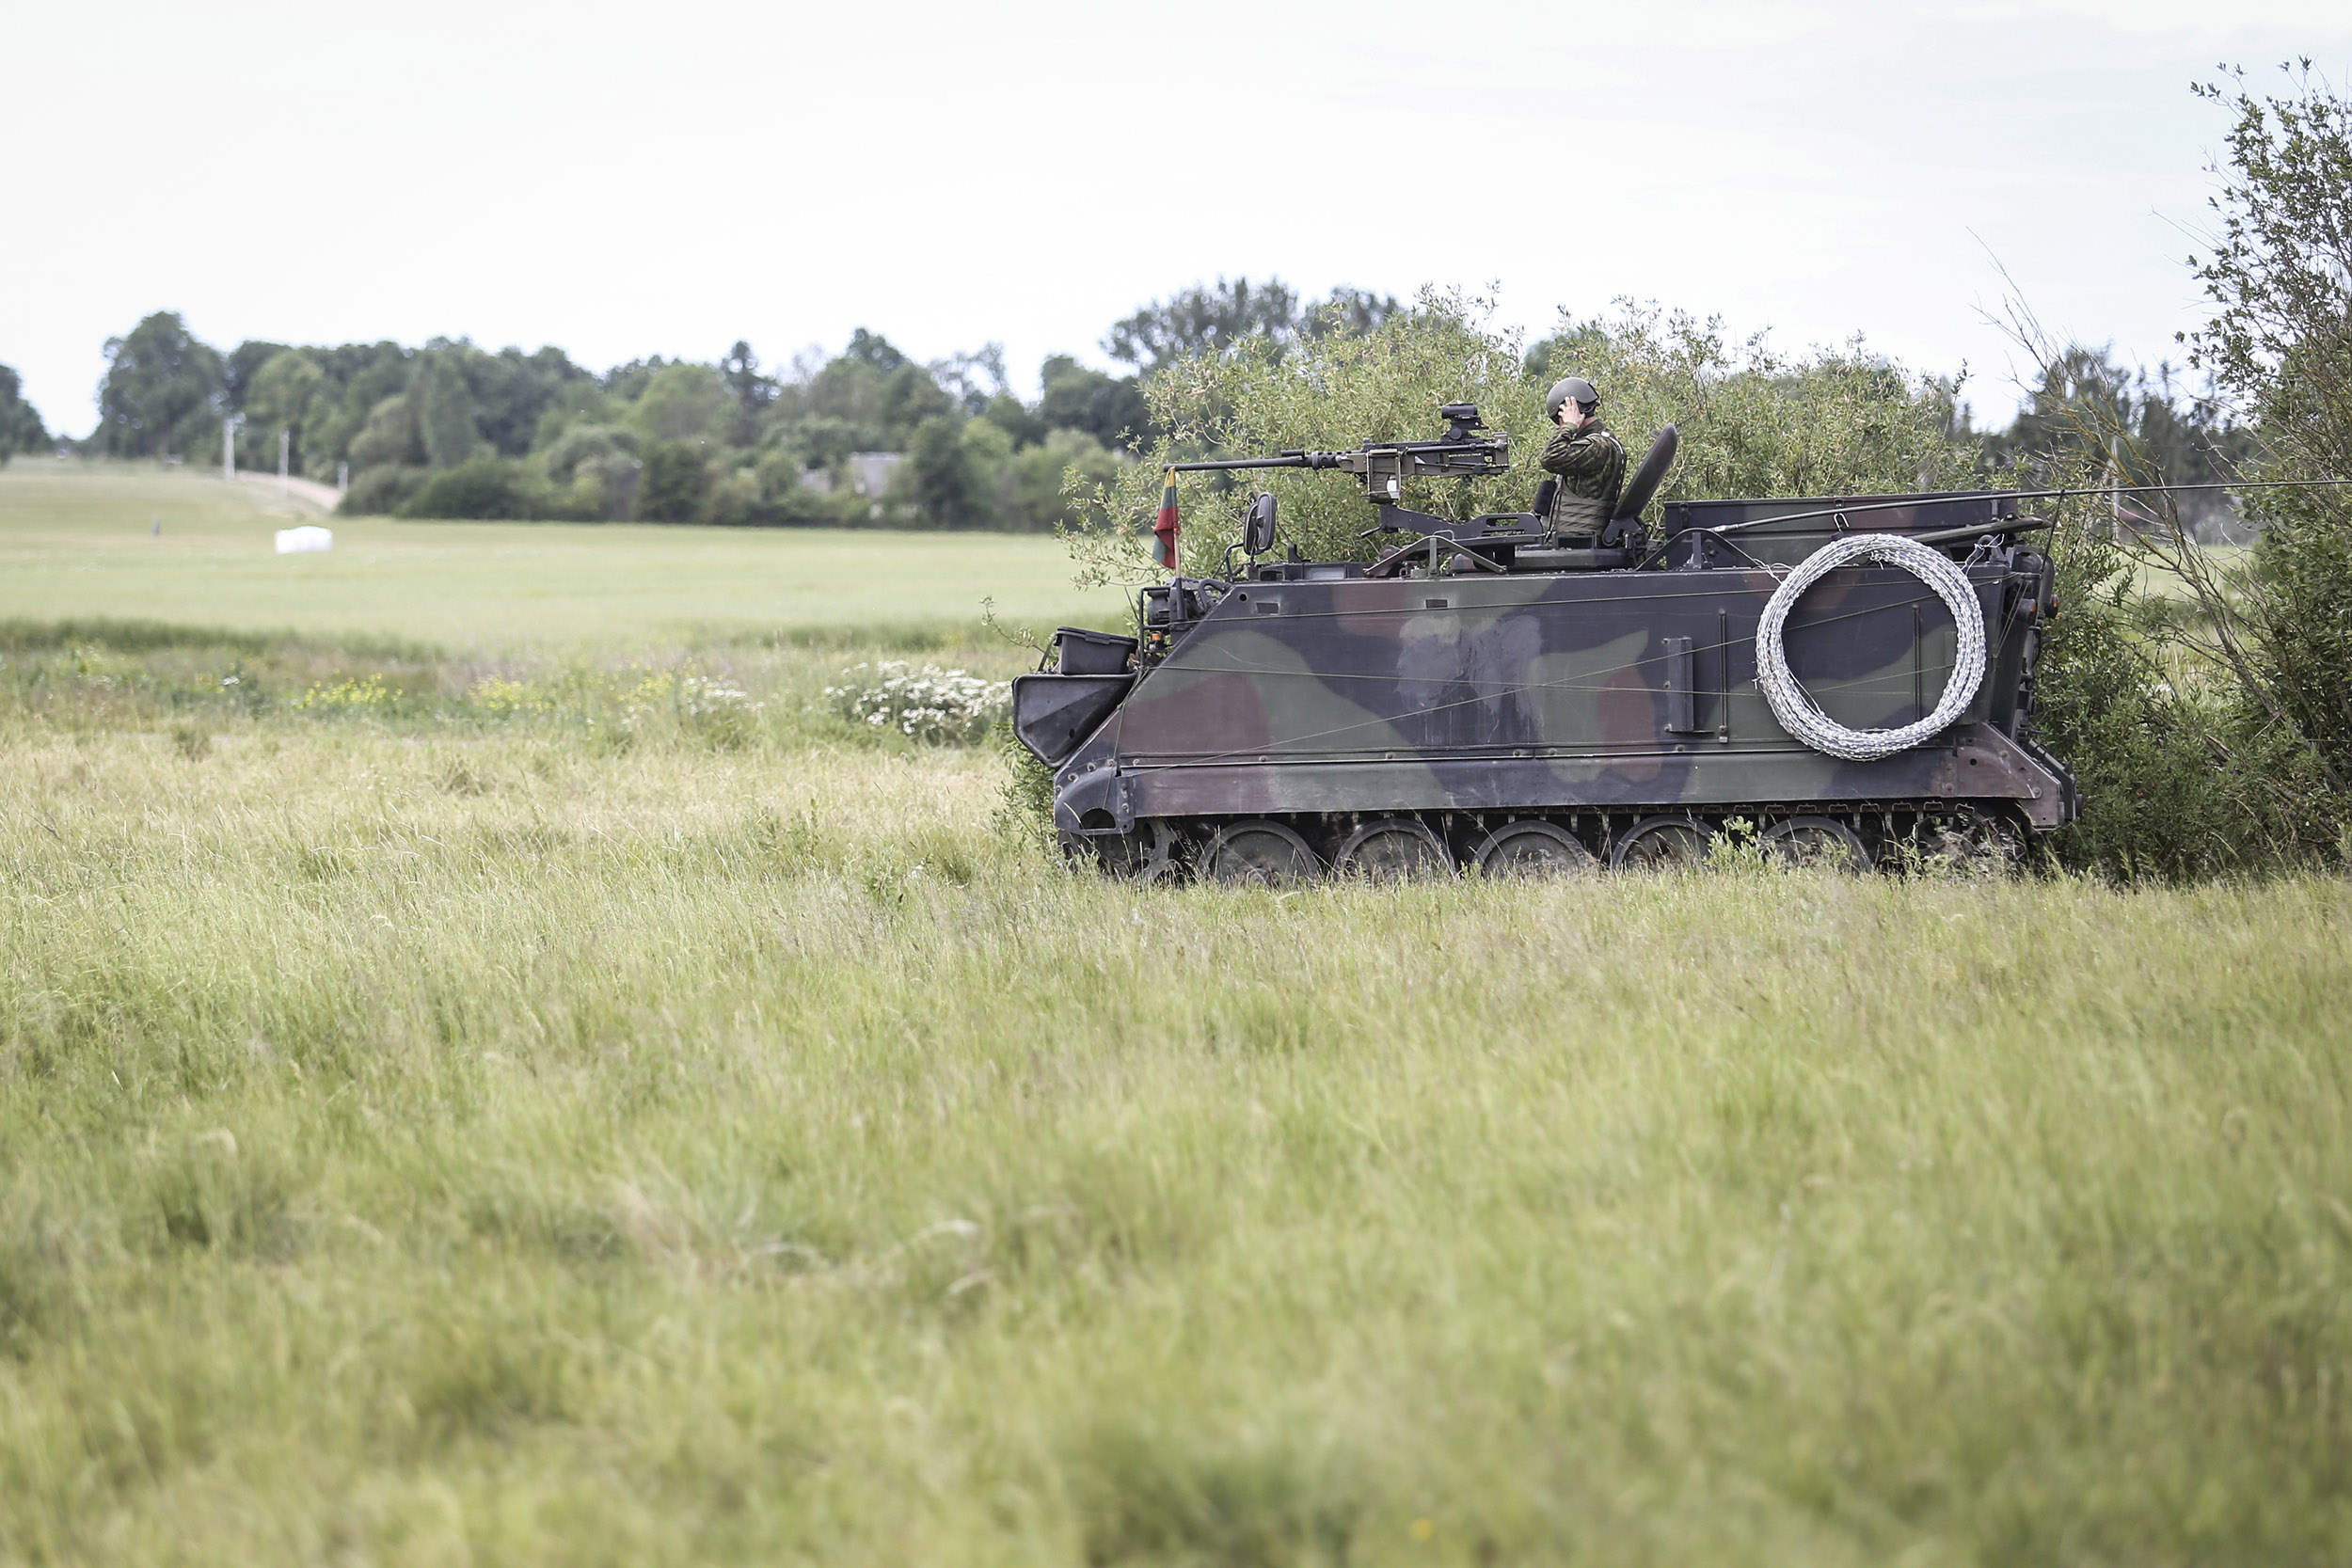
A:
x,y
437,1131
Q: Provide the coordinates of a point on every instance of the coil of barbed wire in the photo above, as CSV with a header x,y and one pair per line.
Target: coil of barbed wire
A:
x,y
1800,716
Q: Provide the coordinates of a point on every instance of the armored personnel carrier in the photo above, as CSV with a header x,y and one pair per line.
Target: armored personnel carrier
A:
x,y
1849,678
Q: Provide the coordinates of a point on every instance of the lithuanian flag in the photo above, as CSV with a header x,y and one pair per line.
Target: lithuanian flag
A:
x,y
1165,529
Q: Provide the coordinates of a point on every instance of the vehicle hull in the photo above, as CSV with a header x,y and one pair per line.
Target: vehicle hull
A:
x,y
1559,693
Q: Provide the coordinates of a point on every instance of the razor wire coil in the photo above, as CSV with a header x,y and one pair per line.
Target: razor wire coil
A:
x,y
1794,706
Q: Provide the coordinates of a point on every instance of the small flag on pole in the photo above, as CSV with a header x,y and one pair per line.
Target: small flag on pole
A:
x,y
1165,529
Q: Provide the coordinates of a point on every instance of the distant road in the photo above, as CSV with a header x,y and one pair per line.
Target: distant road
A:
x,y
325,496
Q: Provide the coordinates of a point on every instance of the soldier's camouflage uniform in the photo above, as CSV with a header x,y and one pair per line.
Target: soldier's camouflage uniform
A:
x,y
1591,464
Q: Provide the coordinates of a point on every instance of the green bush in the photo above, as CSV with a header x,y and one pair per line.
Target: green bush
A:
x,y
2303,579
682,402
2206,707
2279,343
1754,422
595,470
1030,497
383,490
2162,792
484,488
947,475
389,435
671,488
785,502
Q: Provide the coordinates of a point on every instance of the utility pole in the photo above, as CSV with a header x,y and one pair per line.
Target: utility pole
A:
x,y
229,450
285,445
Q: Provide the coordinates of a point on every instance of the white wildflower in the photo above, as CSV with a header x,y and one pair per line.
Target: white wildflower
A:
x,y
939,708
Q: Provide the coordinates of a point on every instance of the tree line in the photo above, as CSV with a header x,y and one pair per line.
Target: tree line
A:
x,y
866,437
453,430
21,429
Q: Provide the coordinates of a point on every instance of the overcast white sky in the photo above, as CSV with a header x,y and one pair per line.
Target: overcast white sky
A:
x,y
634,180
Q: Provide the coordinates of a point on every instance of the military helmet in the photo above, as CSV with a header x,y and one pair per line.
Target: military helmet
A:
x,y
1566,387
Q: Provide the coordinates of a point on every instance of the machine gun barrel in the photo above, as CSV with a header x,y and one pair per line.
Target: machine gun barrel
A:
x,y
1285,460
1382,460
1384,465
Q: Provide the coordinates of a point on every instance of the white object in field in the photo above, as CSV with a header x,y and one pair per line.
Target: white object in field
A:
x,y
296,541
1800,716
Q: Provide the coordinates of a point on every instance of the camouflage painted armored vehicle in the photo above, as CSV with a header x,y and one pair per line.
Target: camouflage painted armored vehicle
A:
x,y
1478,696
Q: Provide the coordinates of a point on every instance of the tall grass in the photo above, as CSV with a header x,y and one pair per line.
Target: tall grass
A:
x,y
519,1106
430,1139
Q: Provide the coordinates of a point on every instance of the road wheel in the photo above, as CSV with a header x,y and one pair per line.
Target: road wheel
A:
x,y
1816,843
1661,844
1258,854
1534,850
1146,855
1393,849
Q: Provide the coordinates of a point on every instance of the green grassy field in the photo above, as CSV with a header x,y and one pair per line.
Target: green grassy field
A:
x,y
460,1107
78,541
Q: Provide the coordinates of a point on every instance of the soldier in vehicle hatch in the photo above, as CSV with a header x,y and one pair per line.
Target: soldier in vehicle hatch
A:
x,y
1589,461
